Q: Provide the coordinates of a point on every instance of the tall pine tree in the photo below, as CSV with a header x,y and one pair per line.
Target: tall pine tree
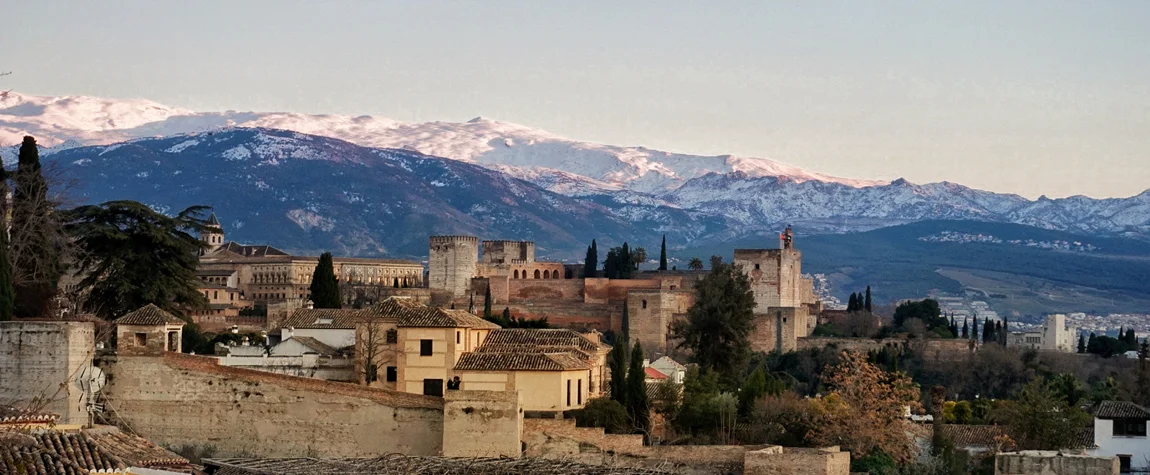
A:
x,y
624,262
638,407
974,329
965,330
7,291
852,303
663,254
626,324
617,362
324,286
487,301
1081,343
866,300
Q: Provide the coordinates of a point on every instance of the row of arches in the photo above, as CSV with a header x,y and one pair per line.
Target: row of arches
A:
x,y
546,274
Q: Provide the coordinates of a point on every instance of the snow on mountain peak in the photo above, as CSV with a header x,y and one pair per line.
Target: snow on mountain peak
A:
x,y
490,143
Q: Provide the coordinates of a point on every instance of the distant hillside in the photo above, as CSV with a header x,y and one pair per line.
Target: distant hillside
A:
x,y
897,263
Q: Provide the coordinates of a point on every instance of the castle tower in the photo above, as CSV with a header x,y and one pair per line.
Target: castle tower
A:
x,y
451,263
214,238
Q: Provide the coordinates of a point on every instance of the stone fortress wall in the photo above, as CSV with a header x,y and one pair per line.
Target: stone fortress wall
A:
x,y
39,362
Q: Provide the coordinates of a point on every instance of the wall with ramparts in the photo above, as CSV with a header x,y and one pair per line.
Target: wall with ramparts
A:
x,y
530,290
776,460
39,362
1052,463
178,399
482,424
567,315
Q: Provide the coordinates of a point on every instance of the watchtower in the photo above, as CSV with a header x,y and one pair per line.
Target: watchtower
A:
x,y
213,237
451,263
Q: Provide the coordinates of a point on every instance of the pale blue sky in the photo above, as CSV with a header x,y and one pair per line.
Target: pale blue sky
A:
x,y
1031,97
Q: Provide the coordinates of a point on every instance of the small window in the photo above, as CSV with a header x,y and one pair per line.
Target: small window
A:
x,y
458,337
756,267
568,392
215,294
644,304
433,387
392,375
141,339
1123,464
579,391
425,348
392,336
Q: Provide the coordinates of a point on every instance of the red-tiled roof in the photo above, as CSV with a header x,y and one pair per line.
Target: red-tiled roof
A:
x,y
149,315
410,313
971,435
521,362
1121,410
324,318
652,373
549,337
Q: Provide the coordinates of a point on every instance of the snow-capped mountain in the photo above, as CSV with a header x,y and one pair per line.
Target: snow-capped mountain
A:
x,y
310,193
700,198
95,121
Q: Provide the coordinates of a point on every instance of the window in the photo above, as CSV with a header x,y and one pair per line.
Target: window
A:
x,y
568,392
392,375
424,347
433,387
372,373
579,391
457,337
756,267
516,273
1123,464
392,336
1130,427
536,273
141,339
644,304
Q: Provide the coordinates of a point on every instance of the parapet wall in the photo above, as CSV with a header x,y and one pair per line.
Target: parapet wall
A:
x,y
1051,463
777,460
482,424
180,400
39,362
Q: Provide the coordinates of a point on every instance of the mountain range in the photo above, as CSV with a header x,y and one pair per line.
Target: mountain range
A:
x,y
713,198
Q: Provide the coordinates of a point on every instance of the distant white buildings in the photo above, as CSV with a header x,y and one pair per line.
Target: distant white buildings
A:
x,y
1053,335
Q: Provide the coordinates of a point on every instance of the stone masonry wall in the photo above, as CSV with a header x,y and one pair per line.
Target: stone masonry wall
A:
x,y
1049,463
179,399
452,262
482,424
40,360
777,460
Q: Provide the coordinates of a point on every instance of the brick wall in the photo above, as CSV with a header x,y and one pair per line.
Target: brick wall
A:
x,y
179,399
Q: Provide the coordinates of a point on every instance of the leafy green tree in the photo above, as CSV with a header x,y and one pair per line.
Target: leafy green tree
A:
x,y
866,300
324,286
617,362
133,256
591,263
605,413
637,404
698,413
756,386
695,264
720,322
37,241
926,310
7,290
487,302
1042,420
1069,388
663,254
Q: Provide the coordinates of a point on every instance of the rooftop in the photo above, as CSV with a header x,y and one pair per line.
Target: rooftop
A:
x,y
562,361
149,315
324,319
652,373
410,313
1121,410
395,463
548,338
52,452
15,415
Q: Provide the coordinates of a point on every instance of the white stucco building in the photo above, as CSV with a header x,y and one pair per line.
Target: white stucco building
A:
x,y
1120,430
1054,335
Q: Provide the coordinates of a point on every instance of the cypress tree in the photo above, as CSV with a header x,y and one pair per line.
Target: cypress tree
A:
x,y
1081,343
866,301
637,404
987,331
965,330
617,363
1004,332
974,329
36,238
626,323
999,335
487,301
591,263
7,291
507,315
663,254
624,262
853,303
324,287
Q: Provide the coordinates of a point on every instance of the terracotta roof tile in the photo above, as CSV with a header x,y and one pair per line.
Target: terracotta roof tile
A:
x,y
410,313
149,315
15,415
549,337
971,435
324,318
135,451
1121,410
521,362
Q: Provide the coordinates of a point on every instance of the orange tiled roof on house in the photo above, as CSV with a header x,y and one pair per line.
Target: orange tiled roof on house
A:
x,y
521,362
652,373
149,315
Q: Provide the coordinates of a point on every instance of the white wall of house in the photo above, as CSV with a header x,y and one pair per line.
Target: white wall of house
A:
x,y
334,337
1108,444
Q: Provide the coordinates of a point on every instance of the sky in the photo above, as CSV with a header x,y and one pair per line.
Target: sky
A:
x,y
1037,98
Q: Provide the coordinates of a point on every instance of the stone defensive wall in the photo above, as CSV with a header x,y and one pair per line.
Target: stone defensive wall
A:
x,y
180,400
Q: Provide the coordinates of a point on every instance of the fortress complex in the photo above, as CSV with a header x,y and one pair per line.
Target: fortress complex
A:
x,y
264,274
785,305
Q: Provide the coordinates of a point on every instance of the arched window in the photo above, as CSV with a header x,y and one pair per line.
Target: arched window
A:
x,y
516,273
536,273
546,274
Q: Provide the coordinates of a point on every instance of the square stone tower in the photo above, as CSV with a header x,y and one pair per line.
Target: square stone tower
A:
x,y
452,263
39,362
